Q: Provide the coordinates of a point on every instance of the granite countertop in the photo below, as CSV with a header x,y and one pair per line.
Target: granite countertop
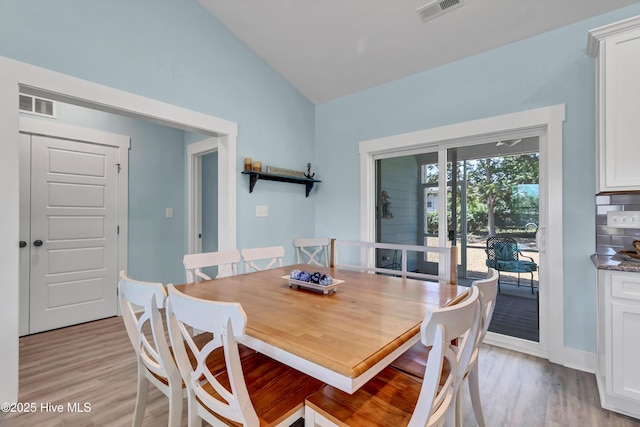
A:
x,y
615,262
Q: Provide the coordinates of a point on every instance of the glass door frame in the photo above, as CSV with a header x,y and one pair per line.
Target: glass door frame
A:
x,y
546,123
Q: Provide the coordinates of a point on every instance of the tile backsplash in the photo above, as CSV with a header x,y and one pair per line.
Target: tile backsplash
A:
x,y
609,240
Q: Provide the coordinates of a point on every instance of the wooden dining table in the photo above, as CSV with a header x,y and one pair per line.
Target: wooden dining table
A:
x,y
343,338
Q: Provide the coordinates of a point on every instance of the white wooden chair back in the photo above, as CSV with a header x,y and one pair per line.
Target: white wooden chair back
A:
x,y
440,327
226,261
446,259
150,296
488,289
488,293
272,255
154,357
320,247
224,320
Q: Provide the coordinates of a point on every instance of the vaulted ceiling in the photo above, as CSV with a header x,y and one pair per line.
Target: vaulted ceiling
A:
x,y
331,48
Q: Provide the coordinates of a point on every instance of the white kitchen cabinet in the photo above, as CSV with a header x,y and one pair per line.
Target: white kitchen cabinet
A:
x,y
618,370
616,48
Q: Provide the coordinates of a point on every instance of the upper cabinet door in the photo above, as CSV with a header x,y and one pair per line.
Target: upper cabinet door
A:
x,y
616,48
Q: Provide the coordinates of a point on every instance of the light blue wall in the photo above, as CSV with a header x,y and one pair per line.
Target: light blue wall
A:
x,y
548,69
177,52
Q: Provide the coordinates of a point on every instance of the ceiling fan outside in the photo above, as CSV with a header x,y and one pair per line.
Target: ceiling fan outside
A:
x,y
509,143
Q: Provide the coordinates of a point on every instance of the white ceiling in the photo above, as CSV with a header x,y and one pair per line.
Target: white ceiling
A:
x,y
331,48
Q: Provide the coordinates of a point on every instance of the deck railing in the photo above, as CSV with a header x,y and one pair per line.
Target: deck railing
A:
x,y
447,259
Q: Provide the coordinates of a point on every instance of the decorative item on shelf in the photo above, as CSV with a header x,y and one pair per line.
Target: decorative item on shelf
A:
x,y
386,206
309,174
248,163
285,172
257,166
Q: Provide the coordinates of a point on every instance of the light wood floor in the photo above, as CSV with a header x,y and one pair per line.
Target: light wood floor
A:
x,y
94,363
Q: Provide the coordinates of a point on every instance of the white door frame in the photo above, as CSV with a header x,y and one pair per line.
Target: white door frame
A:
x,y
547,124
195,152
14,76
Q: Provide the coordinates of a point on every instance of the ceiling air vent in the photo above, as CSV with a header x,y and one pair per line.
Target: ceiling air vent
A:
x,y
436,8
36,105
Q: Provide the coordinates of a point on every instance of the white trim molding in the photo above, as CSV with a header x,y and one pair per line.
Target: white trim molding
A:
x,y
9,227
596,35
546,123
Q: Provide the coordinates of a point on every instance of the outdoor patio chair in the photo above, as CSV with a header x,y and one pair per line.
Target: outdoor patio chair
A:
x,y
503,255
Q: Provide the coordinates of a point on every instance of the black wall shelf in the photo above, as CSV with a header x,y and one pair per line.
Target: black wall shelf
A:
x,y
255,176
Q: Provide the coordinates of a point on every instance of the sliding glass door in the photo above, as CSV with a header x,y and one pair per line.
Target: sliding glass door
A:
x,y
408,208
463,196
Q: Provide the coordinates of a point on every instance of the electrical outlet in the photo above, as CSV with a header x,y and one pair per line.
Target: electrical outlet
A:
x,y
169,213
262,210
623,219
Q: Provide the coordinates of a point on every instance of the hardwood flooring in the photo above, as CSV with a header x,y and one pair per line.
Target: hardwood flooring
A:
x,y
94,364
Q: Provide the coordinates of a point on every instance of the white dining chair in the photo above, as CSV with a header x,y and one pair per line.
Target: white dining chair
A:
x,y
155,362
312,250
395,398
256,390
226,261
488,293
269,257
414,360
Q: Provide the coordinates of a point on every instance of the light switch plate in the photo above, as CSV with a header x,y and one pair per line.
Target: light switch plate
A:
x,y
169,213
262,210
623,219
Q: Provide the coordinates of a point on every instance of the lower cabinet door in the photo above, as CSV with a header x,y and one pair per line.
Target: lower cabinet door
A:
x,y
625,349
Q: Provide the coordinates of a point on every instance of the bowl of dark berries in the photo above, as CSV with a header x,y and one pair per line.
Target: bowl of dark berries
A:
x,y
312,280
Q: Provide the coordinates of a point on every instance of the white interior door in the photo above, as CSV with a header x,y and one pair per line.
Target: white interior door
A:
x,y
73,232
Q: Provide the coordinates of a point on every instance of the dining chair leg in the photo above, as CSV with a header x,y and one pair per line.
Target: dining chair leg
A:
x,y
451,416
474,391
457,408
193,420
141,397
175,407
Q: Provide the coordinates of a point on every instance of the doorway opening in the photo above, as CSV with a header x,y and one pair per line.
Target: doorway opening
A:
x,y
17,77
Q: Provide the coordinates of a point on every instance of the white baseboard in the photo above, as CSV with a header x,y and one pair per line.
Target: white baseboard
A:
x,y
515,344
571,358
580,360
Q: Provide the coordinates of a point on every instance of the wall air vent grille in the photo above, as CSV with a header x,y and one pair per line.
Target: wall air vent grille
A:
x,y
436,8
36,105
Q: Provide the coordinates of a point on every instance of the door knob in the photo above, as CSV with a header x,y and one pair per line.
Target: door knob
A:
x,y
23,243
37,243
